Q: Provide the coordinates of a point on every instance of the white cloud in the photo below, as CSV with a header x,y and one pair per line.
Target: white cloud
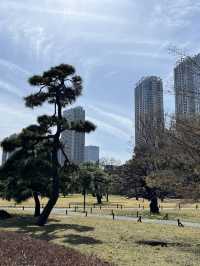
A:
x,y
112,117
13,67
154,55
64,10
109,129
10,88
111,43
174,13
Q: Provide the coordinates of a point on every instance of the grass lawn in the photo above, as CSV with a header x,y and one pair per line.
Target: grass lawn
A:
x,y
169,206
188,211
188,215
77,199
113,199
116,241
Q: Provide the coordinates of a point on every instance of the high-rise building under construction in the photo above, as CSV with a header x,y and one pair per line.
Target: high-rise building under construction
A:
x,y
187,87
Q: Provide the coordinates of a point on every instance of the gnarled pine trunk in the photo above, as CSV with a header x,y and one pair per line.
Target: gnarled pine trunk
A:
x,y
107,197
42,219
37,204
84,200
154,205
99,197
136,193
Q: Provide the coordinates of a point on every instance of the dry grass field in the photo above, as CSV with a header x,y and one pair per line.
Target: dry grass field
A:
x,y
188,215
130,207
121,242
77,199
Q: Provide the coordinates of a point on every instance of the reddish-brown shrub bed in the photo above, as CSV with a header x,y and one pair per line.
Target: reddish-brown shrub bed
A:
x,y
18,249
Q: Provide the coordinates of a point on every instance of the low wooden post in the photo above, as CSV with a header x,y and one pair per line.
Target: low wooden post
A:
x,y
166,217
23,208
113,215
197,206
66,212
179,223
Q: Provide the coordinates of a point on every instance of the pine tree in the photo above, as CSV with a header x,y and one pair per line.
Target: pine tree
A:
x,y
26,173
23,177
59,87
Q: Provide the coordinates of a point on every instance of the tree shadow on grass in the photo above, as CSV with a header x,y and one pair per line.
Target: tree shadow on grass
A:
x,y
51,231
79,239
182,246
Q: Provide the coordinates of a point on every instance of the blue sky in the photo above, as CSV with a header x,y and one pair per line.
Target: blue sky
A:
x,y
112,44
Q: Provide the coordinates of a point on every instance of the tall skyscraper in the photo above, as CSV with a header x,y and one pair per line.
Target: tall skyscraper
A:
x,y
187,87
92,154
149,113
74,142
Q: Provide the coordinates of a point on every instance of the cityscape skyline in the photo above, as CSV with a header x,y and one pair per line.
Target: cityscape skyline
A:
x,y
32,41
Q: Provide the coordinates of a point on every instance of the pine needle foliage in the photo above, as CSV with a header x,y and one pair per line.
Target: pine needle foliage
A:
x,y
60,87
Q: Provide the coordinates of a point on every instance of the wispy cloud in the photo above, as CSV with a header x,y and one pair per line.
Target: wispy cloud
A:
x,y
112,117
10,88
64,11
154,55
174,13
109,129
13,67
111,43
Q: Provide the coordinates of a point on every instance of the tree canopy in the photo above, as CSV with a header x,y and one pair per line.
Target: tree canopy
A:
x,y
59,87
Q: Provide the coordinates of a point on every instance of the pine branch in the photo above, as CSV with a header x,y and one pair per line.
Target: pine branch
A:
x,y
65,155
85,127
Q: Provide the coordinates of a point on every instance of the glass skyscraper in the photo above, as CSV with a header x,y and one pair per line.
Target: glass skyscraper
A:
x,y
149,113
74,142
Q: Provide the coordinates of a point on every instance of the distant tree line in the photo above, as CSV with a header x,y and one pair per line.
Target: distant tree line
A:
x,y
166,166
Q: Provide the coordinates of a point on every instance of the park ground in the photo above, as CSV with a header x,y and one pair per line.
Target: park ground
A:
x,y
121,242
176,209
